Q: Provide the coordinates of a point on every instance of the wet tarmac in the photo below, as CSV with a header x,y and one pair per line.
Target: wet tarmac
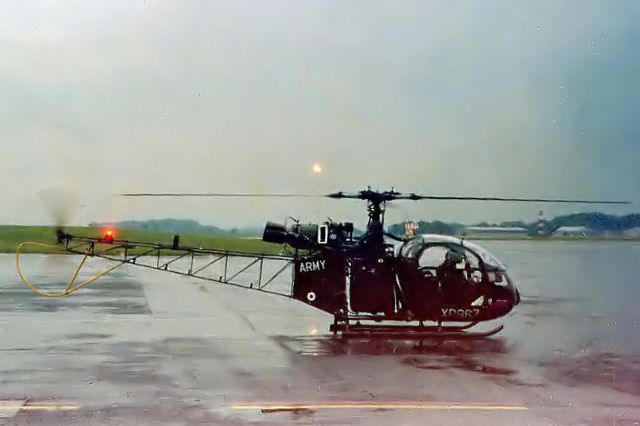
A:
x,y
147,347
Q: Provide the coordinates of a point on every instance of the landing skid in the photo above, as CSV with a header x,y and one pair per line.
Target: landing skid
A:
x,y
410,331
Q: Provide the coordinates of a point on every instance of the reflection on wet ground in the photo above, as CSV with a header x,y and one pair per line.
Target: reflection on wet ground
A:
x,y
131,298
147,348
342,345
485,356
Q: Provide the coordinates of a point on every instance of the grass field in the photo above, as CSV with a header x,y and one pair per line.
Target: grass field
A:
x,y
11,236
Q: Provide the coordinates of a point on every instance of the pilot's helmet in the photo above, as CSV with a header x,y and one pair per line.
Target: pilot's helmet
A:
x,y
453,257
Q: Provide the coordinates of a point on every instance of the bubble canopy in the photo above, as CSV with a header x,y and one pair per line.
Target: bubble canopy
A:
x,y
413,248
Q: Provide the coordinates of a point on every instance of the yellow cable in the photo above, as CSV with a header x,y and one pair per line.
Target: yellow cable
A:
x,y
75,274
69,289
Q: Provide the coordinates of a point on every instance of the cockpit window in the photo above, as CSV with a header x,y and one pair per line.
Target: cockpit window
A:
x,y
488,259
411,249
432,257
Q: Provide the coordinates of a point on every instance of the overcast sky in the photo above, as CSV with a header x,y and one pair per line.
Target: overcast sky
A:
x,y
447,98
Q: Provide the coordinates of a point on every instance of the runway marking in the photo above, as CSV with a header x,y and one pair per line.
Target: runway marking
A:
x,y
384,406
49,407
10,408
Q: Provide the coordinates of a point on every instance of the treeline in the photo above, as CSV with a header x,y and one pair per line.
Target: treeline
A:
x,y
598,222
179,226
435,227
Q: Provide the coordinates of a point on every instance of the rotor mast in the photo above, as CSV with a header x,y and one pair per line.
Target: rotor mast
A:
x,y
376,203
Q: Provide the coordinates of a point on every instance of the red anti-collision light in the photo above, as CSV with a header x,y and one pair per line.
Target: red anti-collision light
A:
x,y
108,236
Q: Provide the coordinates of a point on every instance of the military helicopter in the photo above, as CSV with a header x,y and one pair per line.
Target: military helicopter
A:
x,y
374,283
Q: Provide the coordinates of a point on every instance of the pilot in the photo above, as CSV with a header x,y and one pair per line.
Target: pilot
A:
x,y
452,279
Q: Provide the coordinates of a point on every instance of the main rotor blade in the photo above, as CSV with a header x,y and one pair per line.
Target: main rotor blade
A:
x,y
212,194
522,200
393,195
369,195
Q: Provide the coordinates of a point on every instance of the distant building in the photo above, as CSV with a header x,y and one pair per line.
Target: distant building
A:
x,y
632,232
573,231
495,231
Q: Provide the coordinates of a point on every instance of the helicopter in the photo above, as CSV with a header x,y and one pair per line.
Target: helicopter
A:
x,y
373,283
